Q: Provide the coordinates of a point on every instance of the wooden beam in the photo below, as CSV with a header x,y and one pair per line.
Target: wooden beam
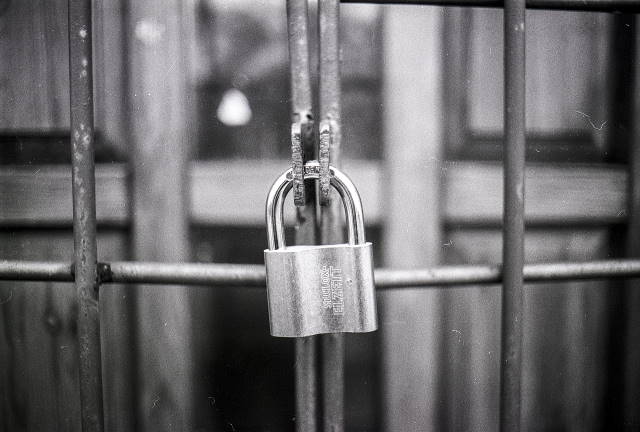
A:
x,y
562,194
413,135
242,202
41,195
157,97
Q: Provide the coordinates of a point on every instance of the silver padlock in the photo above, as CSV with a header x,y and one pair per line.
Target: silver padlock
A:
x,y
319,289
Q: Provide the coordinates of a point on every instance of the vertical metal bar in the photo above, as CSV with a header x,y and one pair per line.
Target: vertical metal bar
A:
x,y
513,229
631,297
329,65
332,345
306,380
298,30
84,213
306,383
619,140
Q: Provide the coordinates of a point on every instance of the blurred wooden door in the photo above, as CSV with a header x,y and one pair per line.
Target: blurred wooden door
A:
x,y
569,123
441,348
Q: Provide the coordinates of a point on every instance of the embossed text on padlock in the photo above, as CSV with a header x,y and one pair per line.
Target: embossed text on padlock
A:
x,y
319,289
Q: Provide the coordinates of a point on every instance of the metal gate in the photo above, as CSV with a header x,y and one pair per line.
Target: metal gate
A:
x,y
90,276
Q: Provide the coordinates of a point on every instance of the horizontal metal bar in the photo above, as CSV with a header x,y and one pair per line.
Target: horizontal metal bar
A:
x,y
184,274
254,275
36,271
580,271
576,5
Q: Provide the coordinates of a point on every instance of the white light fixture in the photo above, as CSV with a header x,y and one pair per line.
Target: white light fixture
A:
x,y
234,109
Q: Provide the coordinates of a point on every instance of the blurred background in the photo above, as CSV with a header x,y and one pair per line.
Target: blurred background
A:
x,y
192,125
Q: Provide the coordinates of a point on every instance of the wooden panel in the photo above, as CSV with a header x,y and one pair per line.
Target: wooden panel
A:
x,y
35,65
108,53
117,333
41,195
239,190
38,340
472,193
565,336
456,64
35,69
566,64
410,320
555,193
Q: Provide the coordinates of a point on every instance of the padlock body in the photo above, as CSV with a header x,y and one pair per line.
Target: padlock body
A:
x,y
321,289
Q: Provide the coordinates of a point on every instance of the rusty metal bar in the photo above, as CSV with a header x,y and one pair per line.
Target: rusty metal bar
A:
x,y
627,6
36,271
303,146
302,133
513,228
306,383
329,82
332,345
84,213
298,32
243,275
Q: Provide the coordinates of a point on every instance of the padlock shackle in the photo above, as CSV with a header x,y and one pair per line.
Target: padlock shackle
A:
x,y
340,182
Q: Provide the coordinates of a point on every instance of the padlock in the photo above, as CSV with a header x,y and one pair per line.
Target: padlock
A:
x,y
324,288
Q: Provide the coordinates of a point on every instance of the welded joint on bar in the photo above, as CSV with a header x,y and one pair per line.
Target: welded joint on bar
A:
x,y
105,275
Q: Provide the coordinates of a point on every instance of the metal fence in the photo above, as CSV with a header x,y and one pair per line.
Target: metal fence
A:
x,y
90,275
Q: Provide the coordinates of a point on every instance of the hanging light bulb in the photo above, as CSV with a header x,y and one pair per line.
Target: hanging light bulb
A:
x,y
234,109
